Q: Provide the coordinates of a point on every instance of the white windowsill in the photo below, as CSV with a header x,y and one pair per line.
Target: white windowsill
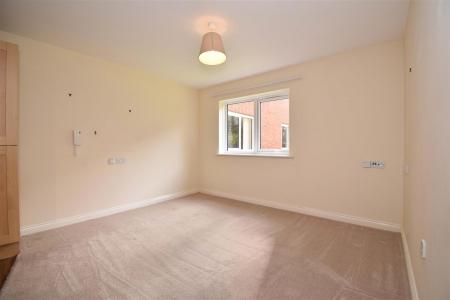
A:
x,y
274,155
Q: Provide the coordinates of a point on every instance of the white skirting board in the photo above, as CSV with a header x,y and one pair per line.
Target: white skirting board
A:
x,y
309,211
25,230
409,268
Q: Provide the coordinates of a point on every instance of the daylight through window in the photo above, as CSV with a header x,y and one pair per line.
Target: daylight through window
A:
x,y
257,124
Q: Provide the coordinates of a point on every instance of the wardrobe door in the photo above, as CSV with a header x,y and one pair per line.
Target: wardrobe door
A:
x,y
9,202
9,197
9,93
2,93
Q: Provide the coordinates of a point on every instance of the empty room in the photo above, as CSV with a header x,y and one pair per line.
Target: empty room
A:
x,y
225,149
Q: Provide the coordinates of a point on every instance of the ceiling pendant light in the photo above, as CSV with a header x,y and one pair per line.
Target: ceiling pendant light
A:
x,y
212,52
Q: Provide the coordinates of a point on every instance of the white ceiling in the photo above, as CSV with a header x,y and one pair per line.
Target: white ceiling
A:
x,y
164,37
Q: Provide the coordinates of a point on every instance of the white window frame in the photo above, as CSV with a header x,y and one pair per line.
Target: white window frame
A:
x,y
256,130
240,116
287,136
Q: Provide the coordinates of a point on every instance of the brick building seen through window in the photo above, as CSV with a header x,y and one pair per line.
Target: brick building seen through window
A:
x,y
273,130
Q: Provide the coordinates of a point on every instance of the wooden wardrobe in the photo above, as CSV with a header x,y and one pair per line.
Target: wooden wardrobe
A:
x,y
9,144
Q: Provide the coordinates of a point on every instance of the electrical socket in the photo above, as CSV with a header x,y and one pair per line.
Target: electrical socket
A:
x,y
116,160
377,164
372,164
120,160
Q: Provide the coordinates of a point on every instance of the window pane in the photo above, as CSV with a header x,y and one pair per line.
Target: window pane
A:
x,y
284,136
240,125
274,117
233,132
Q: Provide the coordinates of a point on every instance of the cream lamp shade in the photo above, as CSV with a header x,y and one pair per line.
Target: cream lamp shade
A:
x,y
212,52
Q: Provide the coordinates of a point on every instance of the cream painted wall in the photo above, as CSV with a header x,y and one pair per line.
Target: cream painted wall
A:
x,y
427,185
346,108
158,138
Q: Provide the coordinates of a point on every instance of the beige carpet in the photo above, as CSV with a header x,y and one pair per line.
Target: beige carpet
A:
x,y
202,247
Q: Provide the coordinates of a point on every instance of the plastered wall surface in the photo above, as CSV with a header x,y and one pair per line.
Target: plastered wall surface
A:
x,y
345,109
158,138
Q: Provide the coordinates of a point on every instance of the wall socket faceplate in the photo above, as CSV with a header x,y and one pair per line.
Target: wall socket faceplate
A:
x,y
374,164
116,160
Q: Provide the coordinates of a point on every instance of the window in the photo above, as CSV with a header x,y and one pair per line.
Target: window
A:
x,y
240,118
240,129
284,136
255,125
